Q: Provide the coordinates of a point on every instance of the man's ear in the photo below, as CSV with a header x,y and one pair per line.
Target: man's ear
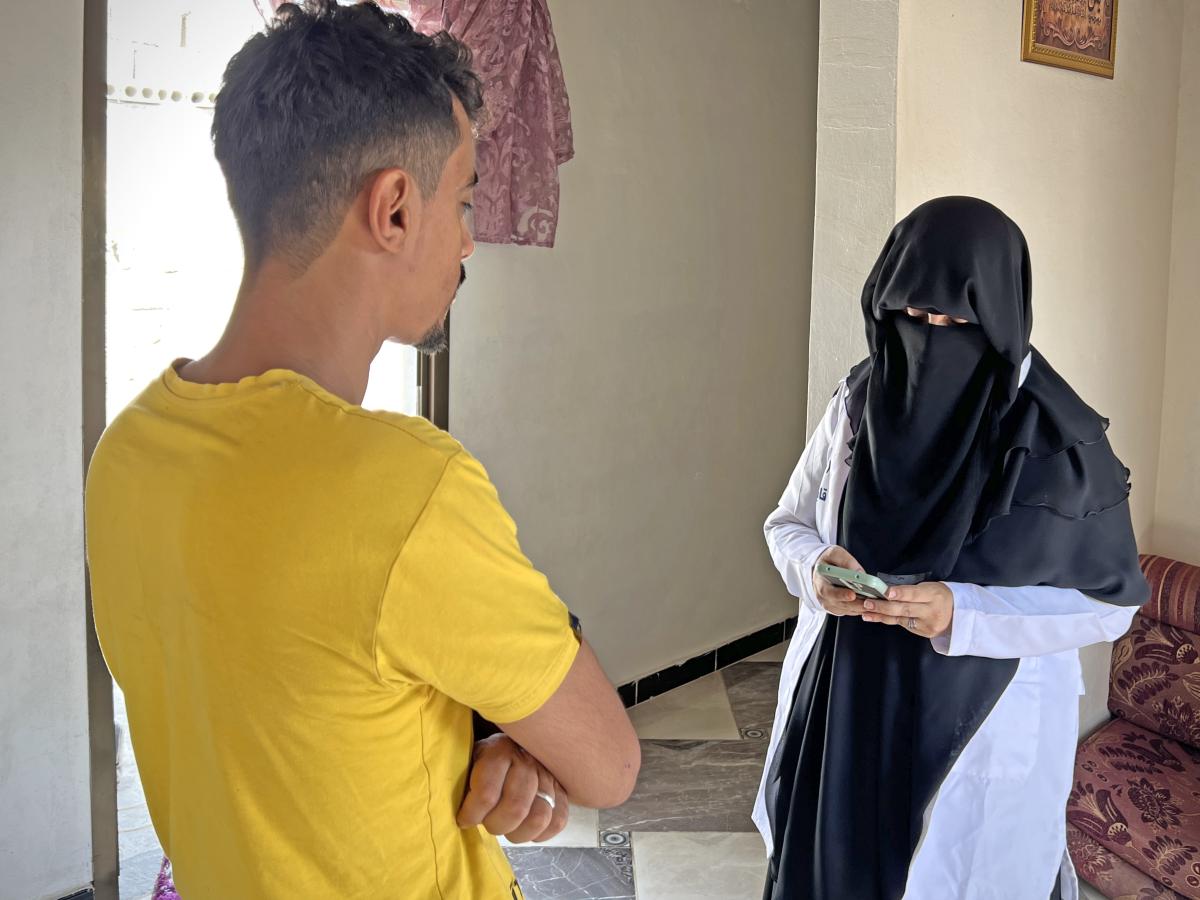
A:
x,y
393,208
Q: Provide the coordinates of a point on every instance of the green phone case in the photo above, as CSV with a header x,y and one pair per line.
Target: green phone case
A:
x,y
860,582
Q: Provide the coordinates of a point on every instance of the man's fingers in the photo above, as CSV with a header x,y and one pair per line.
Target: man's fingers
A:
x,y
562,814
485,790
541,816
520,789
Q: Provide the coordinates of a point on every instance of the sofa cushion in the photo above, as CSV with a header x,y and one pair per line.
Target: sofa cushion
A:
x,y
1110,874
1174,592
1156,679
1137,796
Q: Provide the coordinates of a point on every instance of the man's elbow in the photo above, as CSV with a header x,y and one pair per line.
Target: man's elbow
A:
x,y
618,784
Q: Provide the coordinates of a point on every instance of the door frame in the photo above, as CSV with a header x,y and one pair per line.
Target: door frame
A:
x,y
433,385
101,730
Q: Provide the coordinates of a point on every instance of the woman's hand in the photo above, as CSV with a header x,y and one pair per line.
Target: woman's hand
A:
x,y
835,600
925,609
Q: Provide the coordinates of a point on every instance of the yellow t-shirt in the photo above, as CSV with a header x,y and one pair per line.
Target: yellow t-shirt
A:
x,y
303,601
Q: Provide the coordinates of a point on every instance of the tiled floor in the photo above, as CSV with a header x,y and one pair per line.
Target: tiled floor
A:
x,y
686,833
140,852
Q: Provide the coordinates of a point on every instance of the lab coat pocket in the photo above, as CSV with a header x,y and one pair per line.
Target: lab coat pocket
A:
x,y
1005,747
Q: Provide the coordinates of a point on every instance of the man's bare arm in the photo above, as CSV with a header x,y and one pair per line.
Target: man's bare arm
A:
x,y
584,737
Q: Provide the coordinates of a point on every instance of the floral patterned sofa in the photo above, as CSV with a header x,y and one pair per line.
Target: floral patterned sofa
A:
x,y
1133,818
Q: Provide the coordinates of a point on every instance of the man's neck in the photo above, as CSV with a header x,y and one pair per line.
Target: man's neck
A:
x,y
283,322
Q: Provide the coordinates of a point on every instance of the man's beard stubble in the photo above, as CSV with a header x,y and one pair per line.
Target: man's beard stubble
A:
x,y
435,340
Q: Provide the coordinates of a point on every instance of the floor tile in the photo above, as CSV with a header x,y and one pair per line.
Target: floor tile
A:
x,y
138,874
753,689
698,866
573,873
698,710
131,818
692,786
774,654
583,830
136,841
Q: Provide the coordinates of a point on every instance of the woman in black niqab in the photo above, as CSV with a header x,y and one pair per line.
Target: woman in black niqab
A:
x,y
971,461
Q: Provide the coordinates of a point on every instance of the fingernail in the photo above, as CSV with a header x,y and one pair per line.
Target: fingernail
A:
x,y
868,604
891,594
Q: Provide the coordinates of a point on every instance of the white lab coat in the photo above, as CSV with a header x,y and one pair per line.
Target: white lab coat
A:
x,y
996,829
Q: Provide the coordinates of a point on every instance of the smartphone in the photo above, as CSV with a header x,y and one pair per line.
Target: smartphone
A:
x,y
860,582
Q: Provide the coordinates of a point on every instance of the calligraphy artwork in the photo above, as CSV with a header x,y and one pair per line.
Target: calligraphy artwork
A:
x,y
1071,34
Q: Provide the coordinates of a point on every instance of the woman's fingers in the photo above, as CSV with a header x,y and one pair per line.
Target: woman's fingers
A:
x,y
839,601
840,556
925,609
836,600
886,620
897,609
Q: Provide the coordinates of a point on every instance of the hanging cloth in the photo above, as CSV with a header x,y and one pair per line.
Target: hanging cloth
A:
x,y
525,134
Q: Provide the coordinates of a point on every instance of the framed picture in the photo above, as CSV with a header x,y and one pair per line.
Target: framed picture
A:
x,y
1071,34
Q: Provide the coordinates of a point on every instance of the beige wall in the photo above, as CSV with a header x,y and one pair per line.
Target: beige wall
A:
x,y
45,835
1086,167
1177,514
638,392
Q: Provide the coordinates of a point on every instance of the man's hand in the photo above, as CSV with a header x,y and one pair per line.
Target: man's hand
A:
x,y
502,793
837,601
925,609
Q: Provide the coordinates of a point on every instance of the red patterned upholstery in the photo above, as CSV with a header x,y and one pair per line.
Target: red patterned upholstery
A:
x,y
1174,592
1134,814
1137,795
1111,874
1156,680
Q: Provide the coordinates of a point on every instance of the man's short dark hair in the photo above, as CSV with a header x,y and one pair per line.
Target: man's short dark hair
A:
x,y
325,97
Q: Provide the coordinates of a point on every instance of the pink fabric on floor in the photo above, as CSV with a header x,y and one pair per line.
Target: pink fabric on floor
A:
x,y
164,885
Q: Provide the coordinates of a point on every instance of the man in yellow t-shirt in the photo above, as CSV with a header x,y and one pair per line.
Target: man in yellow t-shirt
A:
x,y
305,602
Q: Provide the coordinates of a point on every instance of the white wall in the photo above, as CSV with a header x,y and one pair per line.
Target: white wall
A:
x,y
1177,520
638,392
45,835
1086,167
856,181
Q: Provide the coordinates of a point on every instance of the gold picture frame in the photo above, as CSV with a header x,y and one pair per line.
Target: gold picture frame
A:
x,y
1071,34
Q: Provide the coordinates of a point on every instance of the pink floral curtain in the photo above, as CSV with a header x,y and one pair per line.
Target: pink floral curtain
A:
x,y
526,133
